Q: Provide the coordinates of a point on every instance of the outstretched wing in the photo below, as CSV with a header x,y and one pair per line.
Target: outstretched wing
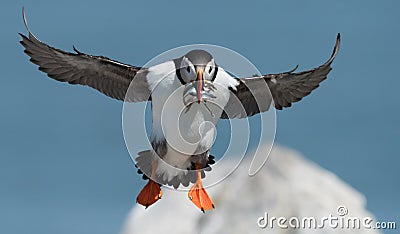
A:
x,y
107,76
285,88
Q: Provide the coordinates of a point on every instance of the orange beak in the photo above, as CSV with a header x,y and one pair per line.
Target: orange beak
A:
x,y
199,84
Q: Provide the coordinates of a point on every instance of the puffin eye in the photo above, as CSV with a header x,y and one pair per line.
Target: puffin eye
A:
x,y
188,69
210,70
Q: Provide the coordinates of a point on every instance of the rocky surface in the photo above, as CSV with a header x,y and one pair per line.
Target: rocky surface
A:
x,y
289,185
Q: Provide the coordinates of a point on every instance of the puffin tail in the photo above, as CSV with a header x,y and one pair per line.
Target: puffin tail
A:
x,y
143,163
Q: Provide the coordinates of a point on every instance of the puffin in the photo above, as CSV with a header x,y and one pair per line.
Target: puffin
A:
x,y
185,93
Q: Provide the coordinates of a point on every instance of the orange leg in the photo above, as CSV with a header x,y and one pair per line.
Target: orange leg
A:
x,y
151,192
198,194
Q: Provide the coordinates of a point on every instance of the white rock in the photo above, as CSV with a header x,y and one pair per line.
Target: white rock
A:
x,y
287,186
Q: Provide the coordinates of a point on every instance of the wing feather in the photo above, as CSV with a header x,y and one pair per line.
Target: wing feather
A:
x,y
101,73
285,88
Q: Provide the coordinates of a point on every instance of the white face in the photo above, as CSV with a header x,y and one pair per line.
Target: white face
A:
x,y
190,72
209,70
197,79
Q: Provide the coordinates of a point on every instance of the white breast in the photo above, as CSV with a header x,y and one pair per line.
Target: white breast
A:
x,y
186,131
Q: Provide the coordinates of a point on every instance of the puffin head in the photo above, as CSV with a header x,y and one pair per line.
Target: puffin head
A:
x,y
198,71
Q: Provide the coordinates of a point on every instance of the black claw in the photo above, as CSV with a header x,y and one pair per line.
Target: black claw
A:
x,y
208,168
213,206
202,209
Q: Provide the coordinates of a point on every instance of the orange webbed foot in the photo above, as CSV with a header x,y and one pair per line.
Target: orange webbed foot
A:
x,y
200,197
150,193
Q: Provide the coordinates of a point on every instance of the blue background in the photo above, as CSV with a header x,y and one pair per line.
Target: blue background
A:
x,y
64,167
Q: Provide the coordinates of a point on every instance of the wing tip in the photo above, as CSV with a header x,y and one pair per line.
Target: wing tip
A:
x,y
30,34
335,49
337,44
24,19
76,50
294,69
